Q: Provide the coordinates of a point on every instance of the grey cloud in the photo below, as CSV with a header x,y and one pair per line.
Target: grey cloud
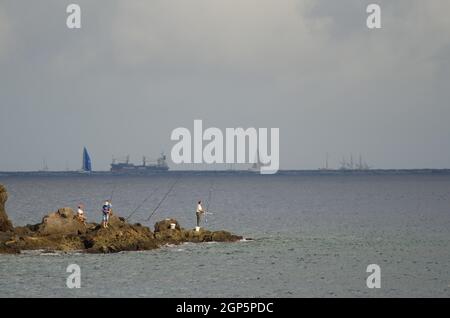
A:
x,y
138,69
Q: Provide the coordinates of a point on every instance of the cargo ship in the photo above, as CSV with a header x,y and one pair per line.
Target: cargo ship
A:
x,y
126,167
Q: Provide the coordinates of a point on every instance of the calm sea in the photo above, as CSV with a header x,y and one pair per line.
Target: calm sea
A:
x,y
314,235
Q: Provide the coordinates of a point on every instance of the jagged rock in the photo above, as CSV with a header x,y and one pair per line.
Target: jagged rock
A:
x,y
224,236
165,233
5,223
119,236
7,245
49,243
165,225
209,236
63,222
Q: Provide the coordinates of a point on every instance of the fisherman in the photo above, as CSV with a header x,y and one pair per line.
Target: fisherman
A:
x,y
80,214
106,213
199,212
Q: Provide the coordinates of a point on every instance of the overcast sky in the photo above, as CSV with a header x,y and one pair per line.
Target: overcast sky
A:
x,y
138,69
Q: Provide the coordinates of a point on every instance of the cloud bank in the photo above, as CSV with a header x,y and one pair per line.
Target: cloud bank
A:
x,y
139,69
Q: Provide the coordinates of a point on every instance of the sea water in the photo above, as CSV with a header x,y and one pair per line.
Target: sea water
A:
x,y
313,236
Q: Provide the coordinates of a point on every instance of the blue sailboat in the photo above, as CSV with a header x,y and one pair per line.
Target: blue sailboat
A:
x,y
87,165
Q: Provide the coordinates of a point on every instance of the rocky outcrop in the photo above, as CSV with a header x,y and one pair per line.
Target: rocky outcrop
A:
x,y
5,223
7,240
166,225
62,222
210,236
62,231
119,236
165,233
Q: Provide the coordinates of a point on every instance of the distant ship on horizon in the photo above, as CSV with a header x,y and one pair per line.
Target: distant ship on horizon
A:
x,y
325,168
352,166
126,167
346,165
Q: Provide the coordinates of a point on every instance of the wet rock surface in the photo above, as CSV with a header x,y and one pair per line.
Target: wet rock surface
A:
x,y
62,231
175,234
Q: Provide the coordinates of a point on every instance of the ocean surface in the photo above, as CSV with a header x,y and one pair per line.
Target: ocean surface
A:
x,y
314,236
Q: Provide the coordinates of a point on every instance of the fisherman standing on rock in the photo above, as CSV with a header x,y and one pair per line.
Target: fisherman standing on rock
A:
x,y
199,212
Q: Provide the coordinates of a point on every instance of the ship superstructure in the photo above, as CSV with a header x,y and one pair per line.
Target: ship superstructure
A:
x,y
125,166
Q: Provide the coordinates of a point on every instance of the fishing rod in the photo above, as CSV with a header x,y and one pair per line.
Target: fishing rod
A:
x,y
142,203
112,192
164,198
209,200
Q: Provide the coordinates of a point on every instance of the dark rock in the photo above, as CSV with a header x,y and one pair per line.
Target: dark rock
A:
x,y
209,236
165,234
7,243
165,225
224,236
119,236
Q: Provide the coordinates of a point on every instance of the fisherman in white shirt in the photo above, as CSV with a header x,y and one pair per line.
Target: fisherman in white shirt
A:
x,y
199,212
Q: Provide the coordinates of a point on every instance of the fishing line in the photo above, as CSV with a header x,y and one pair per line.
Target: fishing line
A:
x,y
209,199
112,192
142,203
164,198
